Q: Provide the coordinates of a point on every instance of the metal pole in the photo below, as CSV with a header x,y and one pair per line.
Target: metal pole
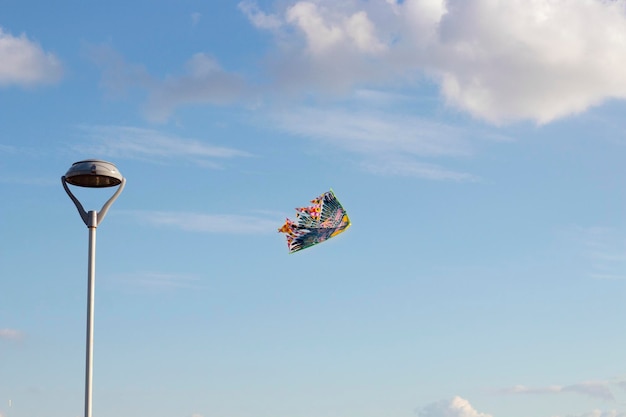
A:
x,y
91,219
92,224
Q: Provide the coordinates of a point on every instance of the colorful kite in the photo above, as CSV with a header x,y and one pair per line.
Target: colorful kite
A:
x,y
326,218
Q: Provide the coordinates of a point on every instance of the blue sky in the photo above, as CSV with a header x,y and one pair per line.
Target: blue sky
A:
x,y
478,147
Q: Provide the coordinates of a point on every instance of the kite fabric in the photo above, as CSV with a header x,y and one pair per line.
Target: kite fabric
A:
x,y
314,224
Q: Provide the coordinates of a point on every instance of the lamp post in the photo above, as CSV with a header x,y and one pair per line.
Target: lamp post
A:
x,y
92,173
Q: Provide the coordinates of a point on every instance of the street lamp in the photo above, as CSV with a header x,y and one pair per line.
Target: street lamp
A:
x,y
92,173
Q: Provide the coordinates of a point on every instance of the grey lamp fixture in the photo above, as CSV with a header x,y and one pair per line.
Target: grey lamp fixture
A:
x,y
92,173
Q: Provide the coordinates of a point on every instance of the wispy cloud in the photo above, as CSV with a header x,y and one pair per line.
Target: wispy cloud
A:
x,y
201,81
595,389
387,143
405,167
159,280
7,148
118,75
605,249
151,145
457,407
209,223
23,62
22,175
599,413
195,18
370,131
11,334
44,182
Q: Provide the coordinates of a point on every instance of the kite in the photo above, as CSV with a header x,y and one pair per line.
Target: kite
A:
x,y
314,224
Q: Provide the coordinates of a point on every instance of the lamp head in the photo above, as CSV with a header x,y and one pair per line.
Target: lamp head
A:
x,y
93,173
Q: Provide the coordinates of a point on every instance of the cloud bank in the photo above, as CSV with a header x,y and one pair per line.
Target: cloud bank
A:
x,y
499,60
24,63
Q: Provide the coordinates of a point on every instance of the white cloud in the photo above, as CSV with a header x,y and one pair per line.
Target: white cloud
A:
x,y
536,59
500,60
23,62
326,47
11,334
320,36
457,407
210,223
323,34
151,145
258,18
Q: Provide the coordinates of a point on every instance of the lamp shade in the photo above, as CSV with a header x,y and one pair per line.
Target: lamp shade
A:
x,y
93,173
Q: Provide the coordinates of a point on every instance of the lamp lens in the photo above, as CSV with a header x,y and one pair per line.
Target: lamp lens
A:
x,y
94,181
